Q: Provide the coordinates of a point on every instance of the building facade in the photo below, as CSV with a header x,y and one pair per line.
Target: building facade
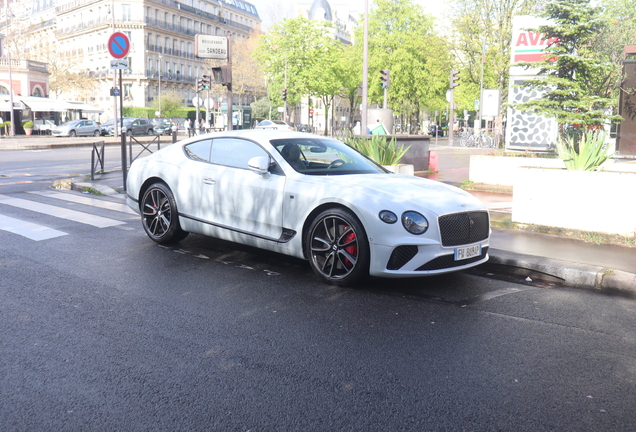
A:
x,y
71,37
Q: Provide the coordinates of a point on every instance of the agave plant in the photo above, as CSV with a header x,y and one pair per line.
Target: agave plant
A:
x,y
584,151
378,148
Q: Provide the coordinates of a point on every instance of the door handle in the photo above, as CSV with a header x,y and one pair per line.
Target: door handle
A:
x,y
209,181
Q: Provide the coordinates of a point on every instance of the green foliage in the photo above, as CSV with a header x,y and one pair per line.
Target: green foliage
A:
x,y
583,150
27,124
402,39
477,23
261,108
170,104
379,148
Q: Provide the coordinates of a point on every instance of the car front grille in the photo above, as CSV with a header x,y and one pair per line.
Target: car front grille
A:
x,y
448,261
464,228
400,256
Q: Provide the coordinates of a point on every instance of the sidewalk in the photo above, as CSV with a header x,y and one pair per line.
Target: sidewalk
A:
x,y
521,254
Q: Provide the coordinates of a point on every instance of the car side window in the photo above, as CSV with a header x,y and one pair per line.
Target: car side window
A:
x,y
235,152
199,151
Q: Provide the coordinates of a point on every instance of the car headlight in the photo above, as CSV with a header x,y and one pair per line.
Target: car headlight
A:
x,y
414,222
387,216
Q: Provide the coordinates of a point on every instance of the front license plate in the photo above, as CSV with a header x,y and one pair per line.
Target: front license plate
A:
x,y
467,252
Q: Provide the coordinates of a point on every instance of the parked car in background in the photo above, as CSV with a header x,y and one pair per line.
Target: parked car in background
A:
x,y
303,128
137,126
107,127
163,128
274,125
435,130
75,128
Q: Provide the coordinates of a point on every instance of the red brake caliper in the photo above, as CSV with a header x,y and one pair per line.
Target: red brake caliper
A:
x,y
353,249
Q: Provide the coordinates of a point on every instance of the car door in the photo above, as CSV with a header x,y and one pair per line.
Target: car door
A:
x,y
226,196
82,128
236,197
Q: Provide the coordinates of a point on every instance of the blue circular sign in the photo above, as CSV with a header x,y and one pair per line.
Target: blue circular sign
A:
x,y
118,45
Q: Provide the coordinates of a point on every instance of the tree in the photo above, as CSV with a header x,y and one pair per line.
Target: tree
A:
x,y
572,73
402,39
479,24
170,103
300,55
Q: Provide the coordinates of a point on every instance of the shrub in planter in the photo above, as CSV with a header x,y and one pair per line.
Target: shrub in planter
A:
x,y
27,124
379,149
583,150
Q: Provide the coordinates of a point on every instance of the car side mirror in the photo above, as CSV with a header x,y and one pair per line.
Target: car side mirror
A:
x,y
259,164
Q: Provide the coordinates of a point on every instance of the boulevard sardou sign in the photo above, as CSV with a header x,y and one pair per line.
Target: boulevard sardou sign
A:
x,y
210,47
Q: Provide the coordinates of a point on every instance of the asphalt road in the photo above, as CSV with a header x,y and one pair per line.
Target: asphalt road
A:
x,y
104,330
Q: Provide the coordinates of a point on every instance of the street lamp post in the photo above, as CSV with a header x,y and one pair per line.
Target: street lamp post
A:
x,y
159,92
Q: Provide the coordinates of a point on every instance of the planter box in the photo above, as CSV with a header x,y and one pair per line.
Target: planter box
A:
x,y
417,155
581,200
502,170
401,169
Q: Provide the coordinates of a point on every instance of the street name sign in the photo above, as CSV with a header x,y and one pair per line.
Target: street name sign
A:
x,y
210,47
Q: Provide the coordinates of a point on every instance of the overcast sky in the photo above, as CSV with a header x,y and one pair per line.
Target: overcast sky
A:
x,y
434,7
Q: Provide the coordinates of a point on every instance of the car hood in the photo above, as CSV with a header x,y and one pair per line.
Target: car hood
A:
x,y
417,192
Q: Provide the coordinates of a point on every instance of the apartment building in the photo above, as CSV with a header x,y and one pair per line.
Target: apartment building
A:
x,y
72,38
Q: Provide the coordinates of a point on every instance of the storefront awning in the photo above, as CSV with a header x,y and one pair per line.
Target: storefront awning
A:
x,y
85,108
45,104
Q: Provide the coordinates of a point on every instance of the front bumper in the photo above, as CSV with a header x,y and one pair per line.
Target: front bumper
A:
x,y
421,260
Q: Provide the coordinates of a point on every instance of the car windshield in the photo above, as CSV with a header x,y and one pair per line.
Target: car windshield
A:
x,y
69,123
316,156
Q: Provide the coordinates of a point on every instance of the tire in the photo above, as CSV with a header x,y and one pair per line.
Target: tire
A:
x,y
129,132
72,134
151,131
337,248
97,133
159,215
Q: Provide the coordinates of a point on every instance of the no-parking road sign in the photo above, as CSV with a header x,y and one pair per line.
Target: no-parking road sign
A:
x,y
118,45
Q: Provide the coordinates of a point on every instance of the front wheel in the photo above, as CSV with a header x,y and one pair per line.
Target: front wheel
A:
x,y
97,133
159,215
337,247
72,134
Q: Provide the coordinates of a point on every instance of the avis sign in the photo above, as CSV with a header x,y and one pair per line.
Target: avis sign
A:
x,y
210,47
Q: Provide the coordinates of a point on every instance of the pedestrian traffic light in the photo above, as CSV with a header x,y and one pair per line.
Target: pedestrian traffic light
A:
x,y
385,78
284,94
453,79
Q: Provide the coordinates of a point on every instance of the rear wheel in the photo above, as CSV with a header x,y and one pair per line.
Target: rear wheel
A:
x,y
159,215
337,247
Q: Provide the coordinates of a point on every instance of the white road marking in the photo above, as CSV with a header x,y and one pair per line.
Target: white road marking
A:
x,y
29,230
59,212
94,202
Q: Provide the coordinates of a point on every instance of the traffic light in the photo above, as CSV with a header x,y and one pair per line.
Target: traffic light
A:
x,y
284,94
222,75
206,82
385,78
453,79
200,86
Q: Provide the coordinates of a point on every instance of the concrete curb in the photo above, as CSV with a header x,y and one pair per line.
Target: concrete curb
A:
x,y
572,274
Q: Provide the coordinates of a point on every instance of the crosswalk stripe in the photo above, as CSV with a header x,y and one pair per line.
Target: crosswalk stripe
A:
x,y
27,229
94,202
59,212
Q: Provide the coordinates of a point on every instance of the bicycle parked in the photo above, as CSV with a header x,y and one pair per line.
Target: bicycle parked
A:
x,y
477,139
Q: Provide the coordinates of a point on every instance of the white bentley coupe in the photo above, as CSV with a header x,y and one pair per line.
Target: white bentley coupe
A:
x,y
311,197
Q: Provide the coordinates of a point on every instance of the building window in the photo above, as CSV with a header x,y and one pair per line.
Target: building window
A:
x,y
125,12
